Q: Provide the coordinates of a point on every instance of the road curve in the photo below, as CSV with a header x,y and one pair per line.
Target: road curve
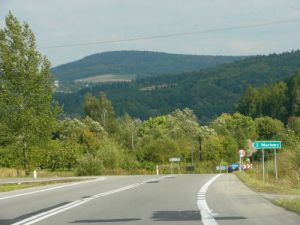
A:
x,y
144,200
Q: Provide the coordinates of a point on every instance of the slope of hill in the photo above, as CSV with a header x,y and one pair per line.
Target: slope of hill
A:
x,y
208,92
138,63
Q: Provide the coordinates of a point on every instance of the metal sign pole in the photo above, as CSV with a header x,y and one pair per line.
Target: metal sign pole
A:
x,y
171,167
241,166
242,160
275,158
263,163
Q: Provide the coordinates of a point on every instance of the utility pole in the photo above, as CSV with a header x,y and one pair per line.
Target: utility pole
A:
x,y
200,148
192,156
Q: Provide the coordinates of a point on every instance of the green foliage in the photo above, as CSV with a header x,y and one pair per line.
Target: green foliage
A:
x,y
220,148
268,128
159,150
32,137
249,103
127,133
237,126
207,92
27,115
172,135
129,162
154,126
280,100
6,157
182,124
84,141
101,110
294,124
289,204
294,94
89,165
212,149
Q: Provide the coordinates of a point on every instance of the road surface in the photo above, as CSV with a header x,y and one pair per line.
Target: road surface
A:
x,y
208,199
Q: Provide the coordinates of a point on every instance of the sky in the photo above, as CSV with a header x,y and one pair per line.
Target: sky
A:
x,y
201,27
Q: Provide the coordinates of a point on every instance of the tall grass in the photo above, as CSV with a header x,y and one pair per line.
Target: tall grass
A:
x,y
288,175
10,173
290,204
13,173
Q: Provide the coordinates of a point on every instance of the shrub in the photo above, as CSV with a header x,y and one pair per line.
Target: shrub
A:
x,y
89,165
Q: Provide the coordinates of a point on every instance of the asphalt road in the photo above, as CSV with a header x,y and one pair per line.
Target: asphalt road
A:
x,y
184,199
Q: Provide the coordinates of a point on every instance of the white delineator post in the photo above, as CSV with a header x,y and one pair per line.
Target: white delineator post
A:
x,y
34,174
157,171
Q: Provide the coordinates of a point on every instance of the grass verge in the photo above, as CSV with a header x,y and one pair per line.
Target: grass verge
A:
x,y
273,187
289,204
16,186
280,187
11,172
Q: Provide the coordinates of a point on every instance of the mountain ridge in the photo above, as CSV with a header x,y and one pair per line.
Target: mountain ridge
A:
x,y
208,92
139,63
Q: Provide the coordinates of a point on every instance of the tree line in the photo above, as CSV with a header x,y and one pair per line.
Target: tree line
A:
x,y
280,100
34,133
199,90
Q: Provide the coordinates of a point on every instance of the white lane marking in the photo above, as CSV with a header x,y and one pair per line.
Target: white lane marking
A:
x,y
207,216
44,215
53,188
47,212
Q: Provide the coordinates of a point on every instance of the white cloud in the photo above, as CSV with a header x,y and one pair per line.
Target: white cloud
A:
x,y
249,46
57,22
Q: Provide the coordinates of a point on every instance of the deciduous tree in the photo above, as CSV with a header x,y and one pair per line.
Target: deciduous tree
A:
x,y
26,109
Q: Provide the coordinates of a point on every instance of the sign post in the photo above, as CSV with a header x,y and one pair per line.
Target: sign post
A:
x,y
263,164
242,154
174,160
220,168
268,145
275,160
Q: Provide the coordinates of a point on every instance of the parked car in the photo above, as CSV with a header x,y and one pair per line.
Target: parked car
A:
x,y
233,167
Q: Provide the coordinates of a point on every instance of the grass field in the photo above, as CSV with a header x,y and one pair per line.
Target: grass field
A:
x,y
104,78
16,186
282,186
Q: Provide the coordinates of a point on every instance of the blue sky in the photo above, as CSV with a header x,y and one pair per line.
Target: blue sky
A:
x,y
62,22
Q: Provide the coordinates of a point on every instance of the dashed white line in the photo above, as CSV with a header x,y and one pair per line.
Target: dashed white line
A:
x,y
44,215
206,213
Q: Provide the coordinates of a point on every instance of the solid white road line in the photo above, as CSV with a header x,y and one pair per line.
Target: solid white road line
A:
x,y
206,213
53,188
44,215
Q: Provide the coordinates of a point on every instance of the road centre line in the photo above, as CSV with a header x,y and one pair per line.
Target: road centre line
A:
x,y
207,216
53,188
44,215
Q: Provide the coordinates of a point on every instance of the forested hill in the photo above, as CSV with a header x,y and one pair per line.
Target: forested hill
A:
x,y
208,92
138,63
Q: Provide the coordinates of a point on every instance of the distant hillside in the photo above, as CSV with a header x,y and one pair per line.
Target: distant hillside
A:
x,y
208,92
138,63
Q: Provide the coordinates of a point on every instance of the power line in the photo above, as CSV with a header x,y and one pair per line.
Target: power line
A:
x,y
173,34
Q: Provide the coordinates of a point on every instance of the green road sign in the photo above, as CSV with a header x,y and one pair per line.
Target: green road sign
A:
x,y
267,144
